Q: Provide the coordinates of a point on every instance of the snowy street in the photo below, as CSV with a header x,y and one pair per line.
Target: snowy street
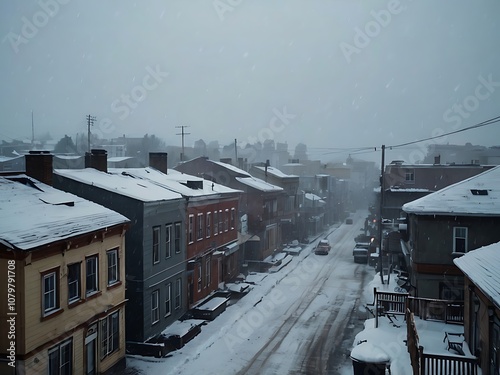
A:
x,y
299,320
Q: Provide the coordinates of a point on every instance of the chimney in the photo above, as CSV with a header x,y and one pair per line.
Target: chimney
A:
x,y
97,159
437,159
39,166
158,160
226,160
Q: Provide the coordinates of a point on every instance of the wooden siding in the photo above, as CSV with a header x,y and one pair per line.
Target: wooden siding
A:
x,y
36,334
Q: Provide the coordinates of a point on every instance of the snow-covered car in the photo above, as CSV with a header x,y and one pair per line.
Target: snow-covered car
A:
x,y
361,252
348,220
323,247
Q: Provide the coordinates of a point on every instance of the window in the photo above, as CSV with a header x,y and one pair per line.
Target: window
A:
x,y
168,242
155,307
409,175
113,267
110,334
73,282
156,245
200,226
92,279
178,289
207,271
459,240
216,223
61,359
208,224
233,218
221,221
199,276
177,238
168,300
50,291
191,228
226,220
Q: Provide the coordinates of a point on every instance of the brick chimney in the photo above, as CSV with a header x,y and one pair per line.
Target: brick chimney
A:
x,y
97,159
158,160
39,166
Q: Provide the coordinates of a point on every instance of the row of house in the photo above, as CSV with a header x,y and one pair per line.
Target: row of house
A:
x,y
450,243
106,256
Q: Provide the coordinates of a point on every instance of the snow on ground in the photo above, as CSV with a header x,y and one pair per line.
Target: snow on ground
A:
x,y
226,344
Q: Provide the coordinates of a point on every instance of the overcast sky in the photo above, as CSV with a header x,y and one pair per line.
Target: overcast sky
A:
x,y
328,73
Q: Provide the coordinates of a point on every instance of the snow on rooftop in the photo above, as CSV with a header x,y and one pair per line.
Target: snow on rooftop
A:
x,y
476,196
117,159
174,181
276,172
139,189
231,167
258,184
408,190
34,214
313,197
482,267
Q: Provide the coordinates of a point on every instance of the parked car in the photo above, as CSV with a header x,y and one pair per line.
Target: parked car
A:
x,y
323,247
348,220
361,252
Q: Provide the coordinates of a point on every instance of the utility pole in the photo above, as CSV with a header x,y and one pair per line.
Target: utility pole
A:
x,y
380,258
32,131
90,122
236,154
182,133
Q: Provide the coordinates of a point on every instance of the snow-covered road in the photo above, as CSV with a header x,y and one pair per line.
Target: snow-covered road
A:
x,y
292,322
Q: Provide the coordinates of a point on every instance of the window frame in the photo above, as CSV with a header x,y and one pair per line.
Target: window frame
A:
x,y
116,266
155,307
200,227
216,223
457,237
59,357
88,292
191,229
52,273
208,224
177,238
156,239
168,241
168,300
221,222
207,272
226,219
78,296
110,338
178,293
200,274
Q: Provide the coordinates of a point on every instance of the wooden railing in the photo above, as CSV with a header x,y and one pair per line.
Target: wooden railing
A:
x,y
389,303
451,312
433,364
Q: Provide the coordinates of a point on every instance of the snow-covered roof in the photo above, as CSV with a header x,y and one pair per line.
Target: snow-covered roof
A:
x,y
408,190
482,267
139,189
313,197
34,214
231,167
117,159
174,181
276,172
476,196
258,184
68,157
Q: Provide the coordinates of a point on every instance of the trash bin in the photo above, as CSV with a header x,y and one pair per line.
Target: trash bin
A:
x,y
368,359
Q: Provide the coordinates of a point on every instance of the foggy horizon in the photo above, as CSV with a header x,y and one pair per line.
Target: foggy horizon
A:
x,y
333,75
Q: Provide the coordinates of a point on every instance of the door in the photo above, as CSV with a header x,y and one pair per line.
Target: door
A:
x,y
90,354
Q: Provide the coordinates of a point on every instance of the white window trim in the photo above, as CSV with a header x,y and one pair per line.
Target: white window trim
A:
x,y
47,311
200,226
87,292
191,229
116,266
156,259
208,225
155,307
168,244
78,297
168,299
455,237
